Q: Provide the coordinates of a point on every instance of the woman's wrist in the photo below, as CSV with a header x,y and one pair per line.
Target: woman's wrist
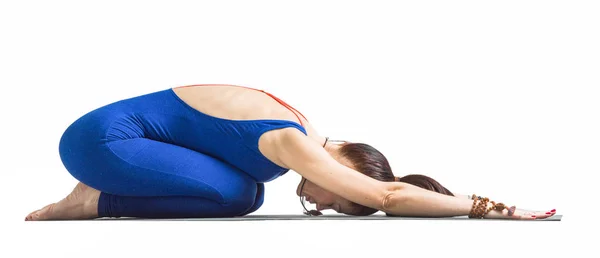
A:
x,y
483,207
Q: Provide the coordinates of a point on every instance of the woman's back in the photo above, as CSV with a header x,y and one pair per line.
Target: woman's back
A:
x,y
236,103
232,102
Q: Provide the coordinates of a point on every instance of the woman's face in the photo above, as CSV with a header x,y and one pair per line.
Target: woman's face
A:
x,y
323,199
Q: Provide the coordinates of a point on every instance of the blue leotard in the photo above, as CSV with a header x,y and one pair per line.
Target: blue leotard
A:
x,y
154,156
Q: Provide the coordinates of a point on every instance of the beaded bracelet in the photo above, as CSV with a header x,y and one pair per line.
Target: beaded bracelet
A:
x,y
479,208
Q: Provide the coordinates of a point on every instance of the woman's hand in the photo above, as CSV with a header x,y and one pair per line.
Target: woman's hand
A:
x,y
520,214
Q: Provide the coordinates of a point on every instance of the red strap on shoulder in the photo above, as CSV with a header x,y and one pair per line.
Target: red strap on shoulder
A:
x,y
269,94
288,107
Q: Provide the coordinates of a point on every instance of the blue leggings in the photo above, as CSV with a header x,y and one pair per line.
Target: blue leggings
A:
x,y
134,161
176,182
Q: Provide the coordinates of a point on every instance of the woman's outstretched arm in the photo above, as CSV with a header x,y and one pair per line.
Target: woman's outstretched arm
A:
x,y
310,160
408,200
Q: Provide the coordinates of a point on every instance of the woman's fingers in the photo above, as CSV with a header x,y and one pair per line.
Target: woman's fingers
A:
x,y
545,214
520,214
530,215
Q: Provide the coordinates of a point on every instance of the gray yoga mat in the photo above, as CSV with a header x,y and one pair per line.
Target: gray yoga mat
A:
x,y
333,217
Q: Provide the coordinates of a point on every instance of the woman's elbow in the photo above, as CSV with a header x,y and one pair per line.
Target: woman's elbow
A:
x,y
393,197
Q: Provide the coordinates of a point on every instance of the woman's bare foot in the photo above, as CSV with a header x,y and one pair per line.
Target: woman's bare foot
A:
x,y
81,203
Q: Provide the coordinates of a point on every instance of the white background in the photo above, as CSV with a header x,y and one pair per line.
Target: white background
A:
x,y
497,98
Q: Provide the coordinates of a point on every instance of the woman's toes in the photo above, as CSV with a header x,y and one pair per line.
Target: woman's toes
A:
x,y
44,213
30,215
41,213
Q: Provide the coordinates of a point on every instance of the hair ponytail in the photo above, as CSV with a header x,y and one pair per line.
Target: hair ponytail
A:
x,y
424,182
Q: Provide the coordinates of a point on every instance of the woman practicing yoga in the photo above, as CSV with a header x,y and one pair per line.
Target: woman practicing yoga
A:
x,y
207,150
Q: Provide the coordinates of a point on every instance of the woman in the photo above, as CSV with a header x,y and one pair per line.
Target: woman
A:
x,y
207,150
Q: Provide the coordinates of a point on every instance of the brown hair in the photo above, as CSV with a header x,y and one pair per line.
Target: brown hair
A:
x,y
373,163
